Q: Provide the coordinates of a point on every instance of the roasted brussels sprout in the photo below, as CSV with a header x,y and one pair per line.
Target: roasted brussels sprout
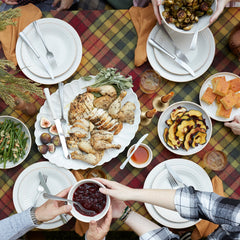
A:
x,y
184,13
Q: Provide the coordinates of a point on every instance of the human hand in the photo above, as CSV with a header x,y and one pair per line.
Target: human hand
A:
x,y
65,4
115,189
156,4
234,125
52,208
220,6
98,230
11,2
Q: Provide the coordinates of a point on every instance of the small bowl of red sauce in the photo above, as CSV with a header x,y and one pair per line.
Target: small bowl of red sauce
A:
x,y
141,157
94,204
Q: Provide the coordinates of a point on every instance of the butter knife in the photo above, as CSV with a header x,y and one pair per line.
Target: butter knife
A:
x,y
58,125
175,58
43,61
174,174
135,148
46,189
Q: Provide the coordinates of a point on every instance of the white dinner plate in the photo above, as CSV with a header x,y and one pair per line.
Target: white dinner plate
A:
x,y
190,172
60,41
166,115
208,39
71,90
211,109
66,72
197,58
28,145
25,188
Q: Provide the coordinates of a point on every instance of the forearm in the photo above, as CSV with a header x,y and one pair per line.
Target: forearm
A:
x,y
16,226
160,197
139,224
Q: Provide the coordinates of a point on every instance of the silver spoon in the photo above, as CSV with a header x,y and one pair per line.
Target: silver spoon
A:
x,y
194,39
54,197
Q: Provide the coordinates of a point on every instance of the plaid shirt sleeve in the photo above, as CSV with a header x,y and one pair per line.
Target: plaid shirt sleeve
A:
x,y
159,234
192,204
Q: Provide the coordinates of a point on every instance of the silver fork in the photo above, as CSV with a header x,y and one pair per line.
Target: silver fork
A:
x,y
172,181
60,88
40,190
49,54
177,51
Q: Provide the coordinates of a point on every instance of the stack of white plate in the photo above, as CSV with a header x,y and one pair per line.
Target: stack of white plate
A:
x,y
200,59
61,39
26,185
191,174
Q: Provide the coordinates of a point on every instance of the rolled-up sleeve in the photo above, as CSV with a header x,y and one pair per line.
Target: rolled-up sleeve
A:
x,y
159,234
17,225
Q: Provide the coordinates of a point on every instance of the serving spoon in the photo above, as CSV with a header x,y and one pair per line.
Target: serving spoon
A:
x,y
54,197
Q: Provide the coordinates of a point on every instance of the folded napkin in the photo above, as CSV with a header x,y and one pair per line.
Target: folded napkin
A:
x,y
9,36
143,20
80,227
204,227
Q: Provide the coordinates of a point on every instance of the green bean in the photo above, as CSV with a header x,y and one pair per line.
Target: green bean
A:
x,y
14,141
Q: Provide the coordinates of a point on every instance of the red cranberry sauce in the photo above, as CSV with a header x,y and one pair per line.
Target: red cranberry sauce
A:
x,y
92,201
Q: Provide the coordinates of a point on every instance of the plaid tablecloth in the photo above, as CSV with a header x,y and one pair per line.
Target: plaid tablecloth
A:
x,y
109,40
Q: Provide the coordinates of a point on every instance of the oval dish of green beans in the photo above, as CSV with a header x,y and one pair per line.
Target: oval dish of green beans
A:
x,y
15,142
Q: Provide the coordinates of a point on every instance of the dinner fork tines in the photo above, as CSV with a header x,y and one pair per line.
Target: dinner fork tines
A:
x,y
177,51
40,189
49,54
172,181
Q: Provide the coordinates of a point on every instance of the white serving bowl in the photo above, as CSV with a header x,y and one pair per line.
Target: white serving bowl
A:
x,y
80,216
201,25
143,165
28,146
166,115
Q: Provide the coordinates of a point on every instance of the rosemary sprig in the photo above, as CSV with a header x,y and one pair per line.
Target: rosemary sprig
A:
x,y
110,76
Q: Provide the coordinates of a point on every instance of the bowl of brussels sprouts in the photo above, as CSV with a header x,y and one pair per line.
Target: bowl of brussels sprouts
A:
x,y
187,16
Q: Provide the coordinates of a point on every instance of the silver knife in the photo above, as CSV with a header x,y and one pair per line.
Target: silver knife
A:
x,y
46,189
175,58
58,125
174,174
43,61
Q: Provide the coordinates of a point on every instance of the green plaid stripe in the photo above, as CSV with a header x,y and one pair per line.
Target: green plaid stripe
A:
x,y
109,40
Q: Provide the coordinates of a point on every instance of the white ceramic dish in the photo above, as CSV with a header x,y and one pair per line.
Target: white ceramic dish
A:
x,y
62,73
60,42
203,22
80,216
208,38
197,58
166,115
28,146
71,90
25,188
212,108
145,164
191,173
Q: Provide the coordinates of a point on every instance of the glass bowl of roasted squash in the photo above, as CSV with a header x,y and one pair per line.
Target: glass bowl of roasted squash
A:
x,y
184,128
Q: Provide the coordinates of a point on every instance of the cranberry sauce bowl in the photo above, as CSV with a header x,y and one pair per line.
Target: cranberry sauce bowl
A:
x,y
93,204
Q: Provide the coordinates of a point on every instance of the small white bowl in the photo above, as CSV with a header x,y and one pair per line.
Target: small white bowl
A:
x,y
28,145
136,165
80,216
